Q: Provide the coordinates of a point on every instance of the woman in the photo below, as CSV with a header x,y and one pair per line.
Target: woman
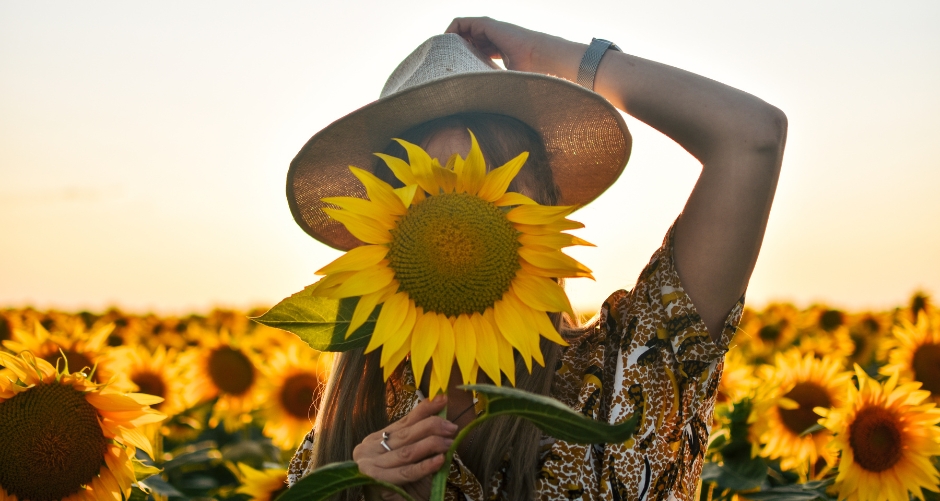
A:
x,y
657,350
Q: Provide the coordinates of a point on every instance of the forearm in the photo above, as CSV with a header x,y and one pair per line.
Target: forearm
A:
x,y
707,118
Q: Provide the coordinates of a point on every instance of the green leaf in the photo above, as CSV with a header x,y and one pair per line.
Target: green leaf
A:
x,y
321,322
738,475
799,492
143,471
331,479
552,417
138,494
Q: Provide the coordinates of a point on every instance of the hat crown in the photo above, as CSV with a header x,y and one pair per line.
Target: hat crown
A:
x,y
439,57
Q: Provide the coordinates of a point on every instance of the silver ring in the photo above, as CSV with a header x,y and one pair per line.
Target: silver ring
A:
x,y
383,443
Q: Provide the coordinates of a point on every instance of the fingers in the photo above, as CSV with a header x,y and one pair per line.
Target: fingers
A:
x,y
410,454
421,411
474,30
427,427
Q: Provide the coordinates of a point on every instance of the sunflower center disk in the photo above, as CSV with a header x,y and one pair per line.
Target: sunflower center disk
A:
x,y
926,366
875,438
52,443
808,395
231,371
151,384
454,253
300,395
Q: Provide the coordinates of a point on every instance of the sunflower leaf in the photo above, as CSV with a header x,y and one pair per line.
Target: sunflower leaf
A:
x,y
552,417
319,321
143,471
331,479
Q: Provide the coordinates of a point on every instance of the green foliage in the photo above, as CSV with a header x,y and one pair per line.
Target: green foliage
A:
x,y
321,322
333,479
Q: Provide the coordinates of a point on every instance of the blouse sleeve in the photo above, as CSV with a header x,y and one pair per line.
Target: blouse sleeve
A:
x,y
649,354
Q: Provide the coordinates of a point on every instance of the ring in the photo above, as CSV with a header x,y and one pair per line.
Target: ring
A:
x,y
383,443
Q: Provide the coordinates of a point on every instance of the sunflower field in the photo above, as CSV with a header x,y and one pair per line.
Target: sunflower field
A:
x,y
814,404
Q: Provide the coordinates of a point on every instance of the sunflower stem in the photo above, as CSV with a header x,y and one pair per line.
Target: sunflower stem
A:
x,y
439,482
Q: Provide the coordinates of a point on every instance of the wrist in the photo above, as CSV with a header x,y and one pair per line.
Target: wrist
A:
x,y
559,57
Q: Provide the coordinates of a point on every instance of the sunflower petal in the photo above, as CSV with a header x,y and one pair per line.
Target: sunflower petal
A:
x,y
356,259
497,180
546,329
407,194
513,198
390,320
548,229
421,164
399,167
391,362
513,327
487,354
507,362
365,281
368,230
446,178
540,293
473,173
444,353
465,346
553,241
394,344
379,192
539,214
553,264
364,208
423,343
367,303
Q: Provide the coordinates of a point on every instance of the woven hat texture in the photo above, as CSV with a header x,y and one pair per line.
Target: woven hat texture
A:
x,y
586,138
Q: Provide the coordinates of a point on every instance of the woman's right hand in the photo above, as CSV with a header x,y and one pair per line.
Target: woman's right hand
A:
x,y
418,442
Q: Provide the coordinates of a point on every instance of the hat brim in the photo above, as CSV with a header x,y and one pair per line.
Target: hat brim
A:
x,y
586,138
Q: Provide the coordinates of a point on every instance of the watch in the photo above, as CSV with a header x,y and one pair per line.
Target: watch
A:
x,y
592,59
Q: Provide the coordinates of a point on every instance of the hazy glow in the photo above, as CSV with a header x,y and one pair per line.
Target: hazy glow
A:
x,y
143,147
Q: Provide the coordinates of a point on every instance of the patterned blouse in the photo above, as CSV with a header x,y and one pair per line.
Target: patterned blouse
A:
x,y
648,353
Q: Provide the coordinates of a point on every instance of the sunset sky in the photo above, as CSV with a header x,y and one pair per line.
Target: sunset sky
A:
x,y
144,145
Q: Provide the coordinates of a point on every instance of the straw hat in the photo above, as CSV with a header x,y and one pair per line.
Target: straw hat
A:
x,y
586,138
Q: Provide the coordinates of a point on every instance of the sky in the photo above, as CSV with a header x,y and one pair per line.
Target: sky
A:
x,y
144,145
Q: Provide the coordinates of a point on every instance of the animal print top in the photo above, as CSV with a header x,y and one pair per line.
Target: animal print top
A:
x,y
649,353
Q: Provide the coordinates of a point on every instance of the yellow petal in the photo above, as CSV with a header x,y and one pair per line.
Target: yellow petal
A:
x,y
368,230
390,320
444,352
327,284
540,293
380,192
391,362
544,325
402,340
465,346
539,214
400,168
513,198
364,208
513,328
507,361
367,303
135,438
531,336
473,172
553,241
547,229
365,282
421,167
498,179
407,194
446,178
487,353
423,343
552,264
358,258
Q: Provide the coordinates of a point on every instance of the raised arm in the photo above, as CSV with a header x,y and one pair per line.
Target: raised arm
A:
x,y
738,138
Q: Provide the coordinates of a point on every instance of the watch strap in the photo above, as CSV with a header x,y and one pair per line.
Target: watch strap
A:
x,y
592,59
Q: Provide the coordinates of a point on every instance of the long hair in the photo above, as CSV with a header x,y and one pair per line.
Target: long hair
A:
x,y
355,399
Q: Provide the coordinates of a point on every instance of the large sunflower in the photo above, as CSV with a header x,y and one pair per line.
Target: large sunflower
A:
x,y
916,353
887,436
83,350
794,388
462,268
224,369
154,373
65,437
296,376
